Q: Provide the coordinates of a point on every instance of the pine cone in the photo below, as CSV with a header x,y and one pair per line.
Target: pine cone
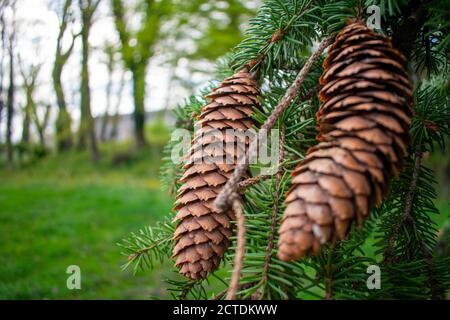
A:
x,y
203,234
364,122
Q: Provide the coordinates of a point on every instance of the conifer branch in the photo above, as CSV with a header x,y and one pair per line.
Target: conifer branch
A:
x,y
240,247
407,214
187,289
220,295
222,201
243,185
408,218
329,275
252,181
223,293
275,207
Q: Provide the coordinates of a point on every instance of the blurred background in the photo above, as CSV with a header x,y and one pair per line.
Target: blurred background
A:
x,y
86,93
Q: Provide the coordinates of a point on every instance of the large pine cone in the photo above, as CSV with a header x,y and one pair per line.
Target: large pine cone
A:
x,y
203,234
364,122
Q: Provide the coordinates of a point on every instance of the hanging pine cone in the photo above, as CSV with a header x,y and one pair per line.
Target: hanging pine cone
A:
x,y
364,122
203,235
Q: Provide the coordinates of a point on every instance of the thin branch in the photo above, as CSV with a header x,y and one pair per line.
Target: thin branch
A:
x,y
143,251
240,247
275,207
187,289
407,213
221,203
390,250
245,184
329,287
329,268
407,217
222,293
277,36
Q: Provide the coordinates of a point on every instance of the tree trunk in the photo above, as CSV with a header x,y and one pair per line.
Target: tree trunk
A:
x,y
10,102
1,110
87,126
2,59
26,124
139,109
105,117
63,121
41,138
115,119
41,125
63,128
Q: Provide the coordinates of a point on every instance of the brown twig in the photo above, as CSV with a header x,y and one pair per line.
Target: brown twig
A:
x,y
390,254
243,185
184,293
329,271
408,209
222,201
252,181
222,293
240,247
273,223
407,217
329,287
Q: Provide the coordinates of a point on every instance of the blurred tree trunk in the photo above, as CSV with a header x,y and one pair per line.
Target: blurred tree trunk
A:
x,y
29,85
10,101
167,102
41,125
26,124
63,121
87,126
137,49
110,65
2,61
139,103
115,118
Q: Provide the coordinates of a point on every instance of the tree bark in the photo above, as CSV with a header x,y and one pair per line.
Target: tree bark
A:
x,y
136,58
41,125
63,121
115,119
10,102
139,104
87,126
26,124
2,59
29,83
110,66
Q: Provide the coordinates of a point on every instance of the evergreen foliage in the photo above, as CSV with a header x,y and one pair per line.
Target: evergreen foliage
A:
x,y
400,236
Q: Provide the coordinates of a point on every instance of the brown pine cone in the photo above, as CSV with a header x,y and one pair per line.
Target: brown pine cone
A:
x,y
364,122
203,234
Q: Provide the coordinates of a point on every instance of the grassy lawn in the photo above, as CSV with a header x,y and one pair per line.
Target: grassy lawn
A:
x,y
64,211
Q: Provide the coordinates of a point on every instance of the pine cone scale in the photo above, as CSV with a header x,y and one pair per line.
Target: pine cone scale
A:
x,y
363,125
203,235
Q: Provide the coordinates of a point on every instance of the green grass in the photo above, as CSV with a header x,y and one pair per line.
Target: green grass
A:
x,y
64,211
